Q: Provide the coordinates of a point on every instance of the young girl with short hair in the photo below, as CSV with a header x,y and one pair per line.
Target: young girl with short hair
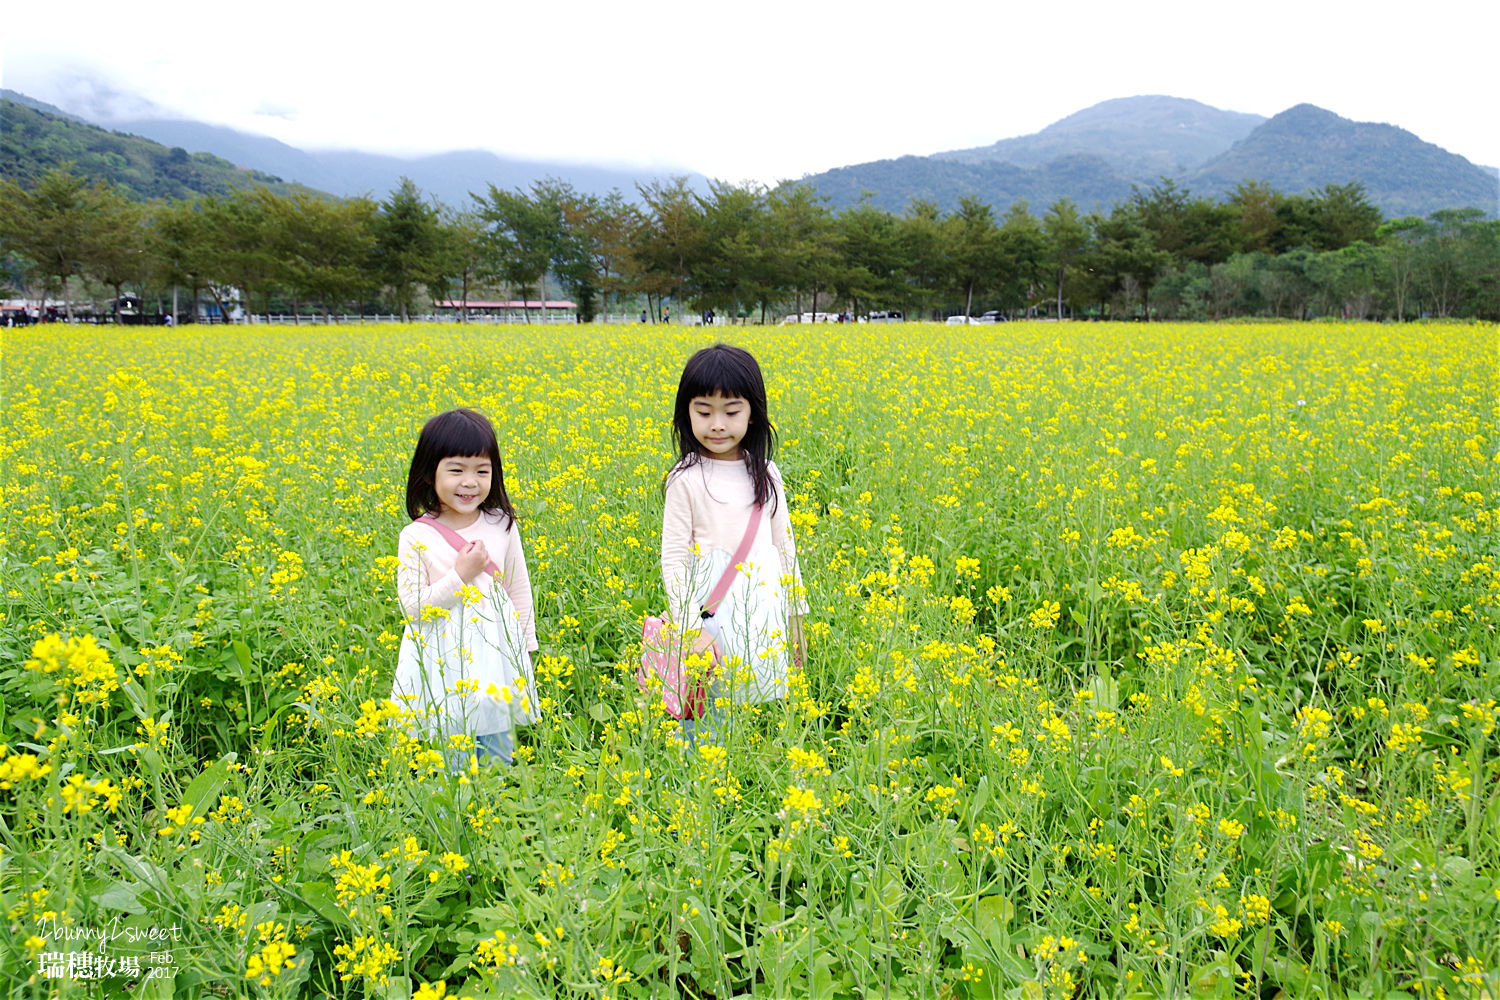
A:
x,y
464,668
724,470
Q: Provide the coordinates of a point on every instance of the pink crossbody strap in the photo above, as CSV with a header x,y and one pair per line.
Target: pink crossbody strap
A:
x,y
454,539
726,579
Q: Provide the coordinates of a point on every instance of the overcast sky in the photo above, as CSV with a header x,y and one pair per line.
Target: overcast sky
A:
x,y
768,90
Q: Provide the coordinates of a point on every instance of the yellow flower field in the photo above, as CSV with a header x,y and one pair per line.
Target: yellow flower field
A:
x,y
1143,660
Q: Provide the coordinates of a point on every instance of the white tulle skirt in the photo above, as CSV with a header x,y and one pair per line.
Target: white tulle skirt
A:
x,y
750,624
466,670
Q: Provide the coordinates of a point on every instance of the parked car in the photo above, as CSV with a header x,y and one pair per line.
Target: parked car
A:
x,y
886,316
960,320
993,316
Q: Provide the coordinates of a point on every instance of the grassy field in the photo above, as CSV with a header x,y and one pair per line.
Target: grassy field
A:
x,y
1144,660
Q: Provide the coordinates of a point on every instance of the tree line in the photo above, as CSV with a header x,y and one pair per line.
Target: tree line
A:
x,y
750,252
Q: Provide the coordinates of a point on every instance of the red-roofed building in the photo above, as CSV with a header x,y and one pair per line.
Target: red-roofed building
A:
x,y
553,309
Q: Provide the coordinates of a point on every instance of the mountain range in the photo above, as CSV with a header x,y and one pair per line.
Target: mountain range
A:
x,y
1096,157
36,138
1099,155
450,176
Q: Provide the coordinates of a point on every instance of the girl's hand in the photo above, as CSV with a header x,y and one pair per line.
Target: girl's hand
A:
x,y
471,560
702,642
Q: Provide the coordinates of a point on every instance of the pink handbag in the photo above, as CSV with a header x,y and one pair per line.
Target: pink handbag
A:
x,y
662,648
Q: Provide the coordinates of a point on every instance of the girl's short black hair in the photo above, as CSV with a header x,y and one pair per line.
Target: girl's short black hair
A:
x,y
726,370
464,433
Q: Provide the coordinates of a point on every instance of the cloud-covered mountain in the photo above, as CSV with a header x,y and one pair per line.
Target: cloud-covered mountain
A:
x,y
449,176
36,138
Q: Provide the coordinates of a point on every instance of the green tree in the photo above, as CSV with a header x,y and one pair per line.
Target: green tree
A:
x,y
920,238
407,247
874,257
1457,268
324,247
1023,259
670,242
1234,286
975,254
1328,219
1183,293
1345,279
1067,239
525,231
55,226
1124,261
178,246
590,238
1285,284
800,228
597,245
1399,240
1256,223
466,258
1344,216
1190,229
1162,212
734,226
247,246
117,254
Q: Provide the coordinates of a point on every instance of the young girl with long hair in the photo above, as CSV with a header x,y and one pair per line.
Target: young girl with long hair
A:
x,y
464,675
724,470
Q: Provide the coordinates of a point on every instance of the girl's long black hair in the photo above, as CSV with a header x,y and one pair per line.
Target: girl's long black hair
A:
x,y
465,433
725,370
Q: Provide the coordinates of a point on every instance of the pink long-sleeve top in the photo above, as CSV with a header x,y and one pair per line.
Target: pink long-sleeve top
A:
x,y
707,508
426,576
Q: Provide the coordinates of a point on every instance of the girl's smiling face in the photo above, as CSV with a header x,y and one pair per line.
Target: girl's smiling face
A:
x,y
719,424
462,483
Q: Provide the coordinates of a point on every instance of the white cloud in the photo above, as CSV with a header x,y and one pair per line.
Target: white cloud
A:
x,y
766,91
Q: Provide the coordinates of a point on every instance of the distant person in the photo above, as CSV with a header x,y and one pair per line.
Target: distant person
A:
x,y
644,317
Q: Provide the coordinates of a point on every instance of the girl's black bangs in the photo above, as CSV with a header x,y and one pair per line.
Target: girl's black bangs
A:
x,y
718,375
466,438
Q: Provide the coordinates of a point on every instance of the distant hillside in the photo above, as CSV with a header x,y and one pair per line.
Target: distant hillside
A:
x,y
34,141
894,184
1095,156
1139,136
1307,147
449,176
36,105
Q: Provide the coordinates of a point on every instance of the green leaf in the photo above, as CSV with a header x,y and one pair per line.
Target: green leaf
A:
x,y
980,799
994,911
242,656
204,789
1213,979
152,875
320,896
1106,690
121,897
